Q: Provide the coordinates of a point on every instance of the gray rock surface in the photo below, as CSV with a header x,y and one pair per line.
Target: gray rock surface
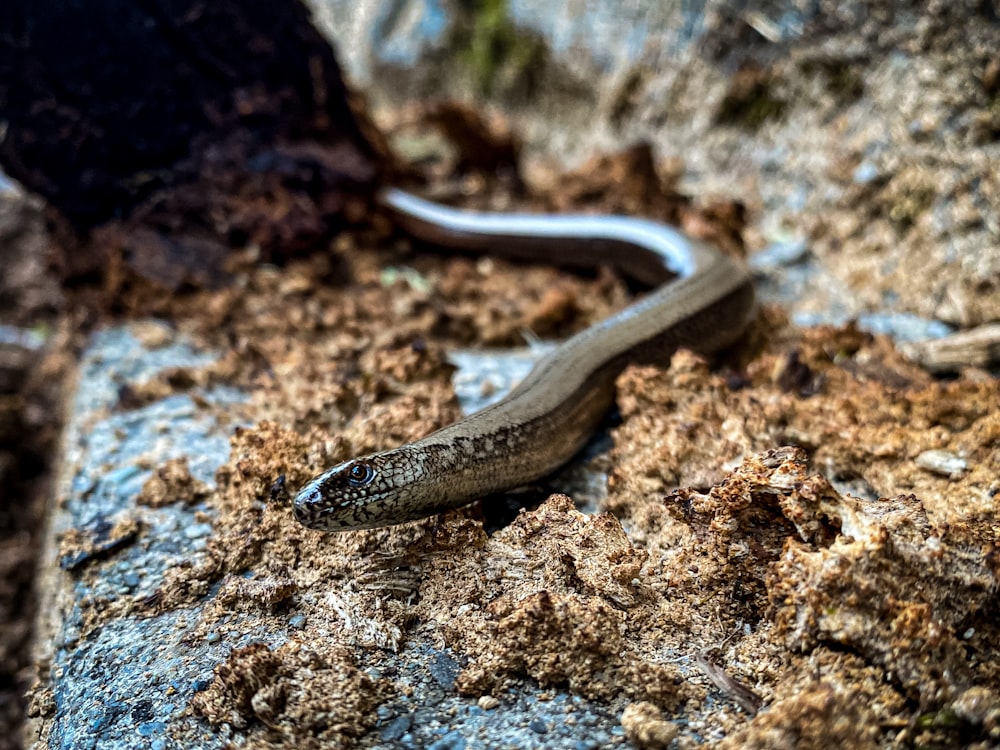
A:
x,y
128,682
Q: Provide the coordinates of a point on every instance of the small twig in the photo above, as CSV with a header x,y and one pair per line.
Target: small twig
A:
x,y
746,698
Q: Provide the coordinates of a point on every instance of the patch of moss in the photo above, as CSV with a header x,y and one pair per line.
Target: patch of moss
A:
x,y
501,57
750,100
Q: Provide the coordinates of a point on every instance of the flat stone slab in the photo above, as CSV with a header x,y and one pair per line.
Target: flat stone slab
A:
x,y
129,680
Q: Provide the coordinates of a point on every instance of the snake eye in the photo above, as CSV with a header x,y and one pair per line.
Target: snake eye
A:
x,y
360,474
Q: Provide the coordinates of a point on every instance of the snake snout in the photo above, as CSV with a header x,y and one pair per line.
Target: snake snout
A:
x,y
306,504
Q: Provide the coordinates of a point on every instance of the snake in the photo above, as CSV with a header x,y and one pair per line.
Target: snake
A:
x,y
701,299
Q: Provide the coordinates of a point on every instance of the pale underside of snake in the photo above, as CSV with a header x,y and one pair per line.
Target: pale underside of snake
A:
x,y
703,300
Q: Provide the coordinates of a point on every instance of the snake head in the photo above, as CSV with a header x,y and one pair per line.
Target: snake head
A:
x,y
358,494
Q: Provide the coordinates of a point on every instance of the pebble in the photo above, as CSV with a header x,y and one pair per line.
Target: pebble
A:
x,y
945,463
396,728
444,669
198,530
865,172
487,702
538,726
151,727
781,253
451,741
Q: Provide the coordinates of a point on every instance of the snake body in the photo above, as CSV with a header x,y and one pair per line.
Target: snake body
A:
x,y
703,300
